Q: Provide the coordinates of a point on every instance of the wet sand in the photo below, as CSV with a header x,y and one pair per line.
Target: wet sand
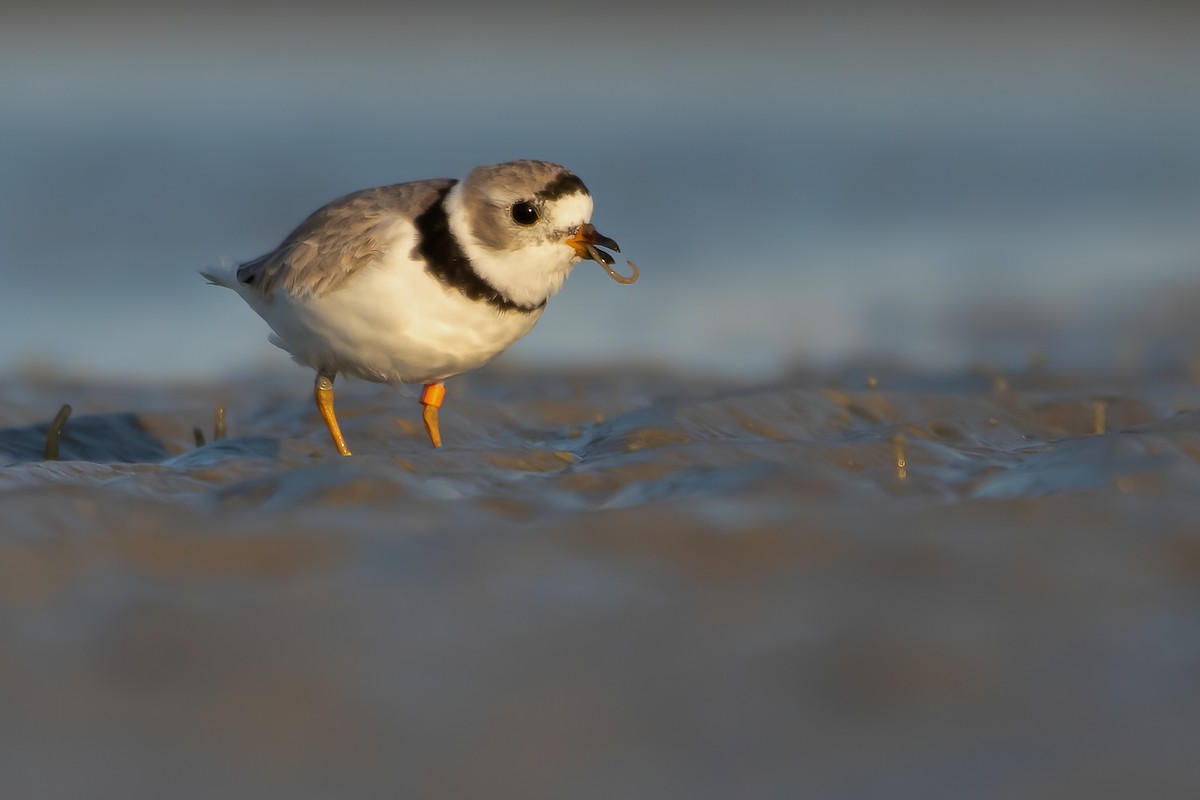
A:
x,y
611,583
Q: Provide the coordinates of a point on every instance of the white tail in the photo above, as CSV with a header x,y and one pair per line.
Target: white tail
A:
x,y
224,274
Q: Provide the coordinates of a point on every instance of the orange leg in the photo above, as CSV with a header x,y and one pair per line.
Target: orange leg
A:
x,y
431,398
323,390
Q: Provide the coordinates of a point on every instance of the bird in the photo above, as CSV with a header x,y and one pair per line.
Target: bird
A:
x,y
418,282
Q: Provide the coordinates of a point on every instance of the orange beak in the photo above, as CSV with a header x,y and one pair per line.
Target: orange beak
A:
x,y
585,240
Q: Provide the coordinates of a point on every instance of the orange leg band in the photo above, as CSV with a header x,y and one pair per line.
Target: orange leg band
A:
x,y
433,395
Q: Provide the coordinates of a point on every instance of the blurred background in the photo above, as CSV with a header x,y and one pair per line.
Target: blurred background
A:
x,y
941,184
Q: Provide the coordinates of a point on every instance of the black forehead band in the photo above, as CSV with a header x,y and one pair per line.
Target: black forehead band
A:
x,y
563,185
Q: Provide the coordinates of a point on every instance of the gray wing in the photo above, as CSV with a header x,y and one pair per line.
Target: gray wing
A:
x,y
339,239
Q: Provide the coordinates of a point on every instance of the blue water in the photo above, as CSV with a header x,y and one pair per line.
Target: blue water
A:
x,y
809,187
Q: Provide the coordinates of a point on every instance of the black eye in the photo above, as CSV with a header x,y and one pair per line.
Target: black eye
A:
x,y
524,213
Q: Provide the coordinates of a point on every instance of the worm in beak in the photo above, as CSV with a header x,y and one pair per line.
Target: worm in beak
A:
x,y
587,242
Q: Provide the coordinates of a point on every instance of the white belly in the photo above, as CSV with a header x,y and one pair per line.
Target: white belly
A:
x,y
392,323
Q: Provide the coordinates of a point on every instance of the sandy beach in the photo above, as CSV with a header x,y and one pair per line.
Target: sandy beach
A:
x,y
615,583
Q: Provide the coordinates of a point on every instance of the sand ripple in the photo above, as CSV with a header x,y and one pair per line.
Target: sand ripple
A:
x,y
608,584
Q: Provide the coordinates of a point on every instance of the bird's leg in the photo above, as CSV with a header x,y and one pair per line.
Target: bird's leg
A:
x,y
323,390
431,398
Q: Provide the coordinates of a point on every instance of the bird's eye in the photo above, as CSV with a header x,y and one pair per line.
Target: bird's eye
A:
x,y
524,213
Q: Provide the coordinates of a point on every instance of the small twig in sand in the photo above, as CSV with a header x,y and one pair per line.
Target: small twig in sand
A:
x,y
901,456
219,424
54,433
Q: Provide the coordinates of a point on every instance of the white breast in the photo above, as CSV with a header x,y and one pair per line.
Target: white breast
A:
x,y
392,323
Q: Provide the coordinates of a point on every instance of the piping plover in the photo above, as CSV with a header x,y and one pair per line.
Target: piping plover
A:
x,y
418,282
